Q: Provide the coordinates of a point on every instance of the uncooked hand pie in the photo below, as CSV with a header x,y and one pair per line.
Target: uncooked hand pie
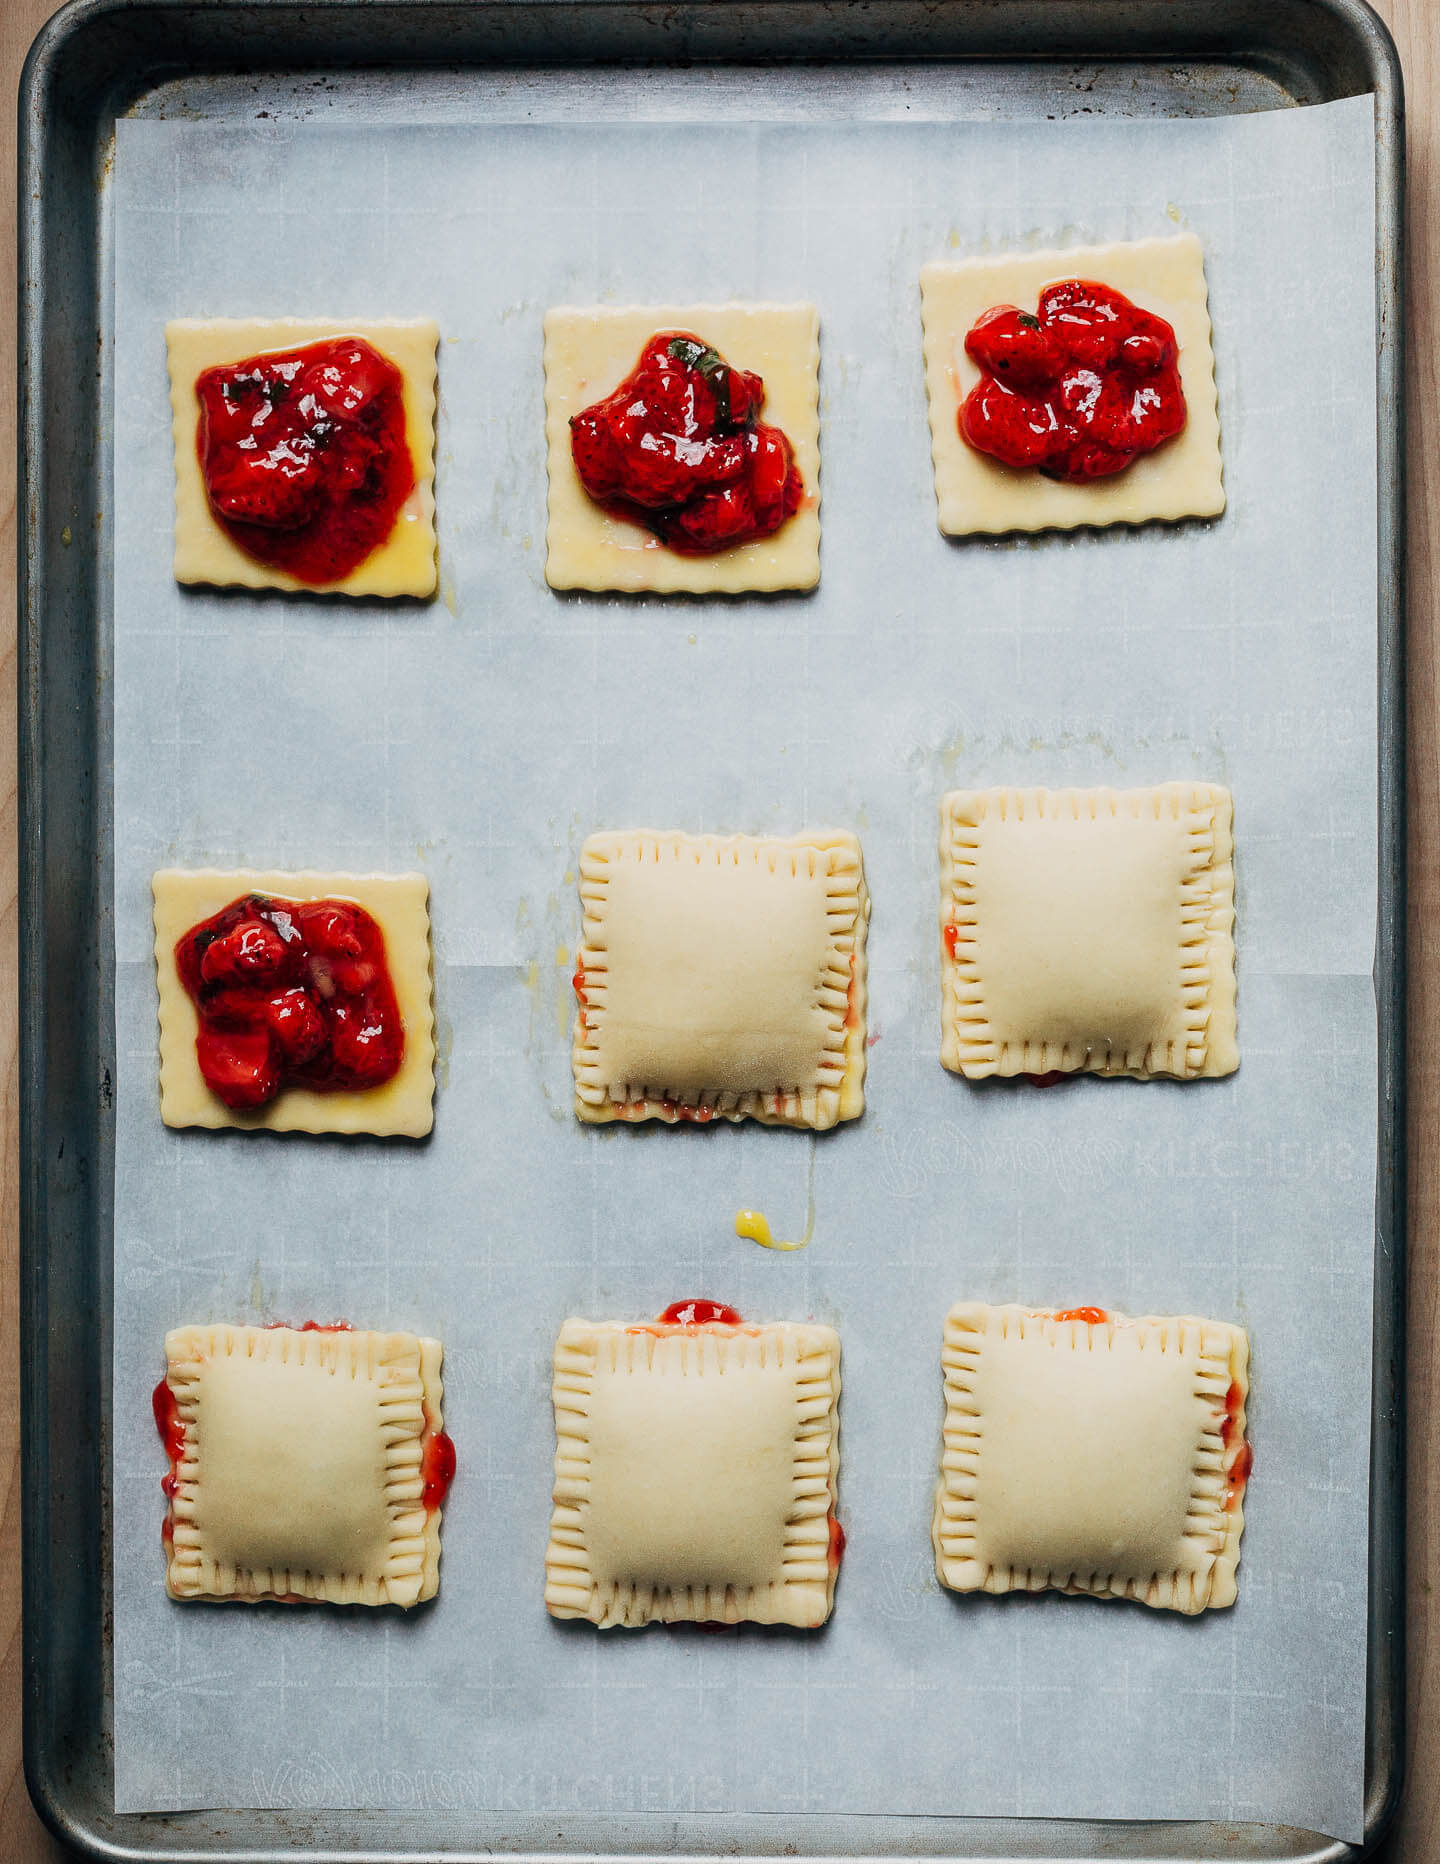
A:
x,y
764,360
305,453
295,1001
695,1470
1018,312
721,977
1088,929
305,1463
1092,1453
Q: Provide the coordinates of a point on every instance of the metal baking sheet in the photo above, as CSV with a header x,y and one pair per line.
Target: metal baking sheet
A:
x,y
831,1836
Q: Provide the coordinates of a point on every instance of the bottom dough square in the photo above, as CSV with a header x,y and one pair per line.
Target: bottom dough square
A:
x,y
400,903
695,1473
1092,1453
300,1470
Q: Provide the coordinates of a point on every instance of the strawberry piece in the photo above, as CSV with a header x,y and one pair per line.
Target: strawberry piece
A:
x,y
332,928
252,953
362,1046
992,417
294,1020
1013,347
238,1065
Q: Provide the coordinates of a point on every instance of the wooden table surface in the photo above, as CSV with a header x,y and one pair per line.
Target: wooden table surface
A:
x,y
1415,1838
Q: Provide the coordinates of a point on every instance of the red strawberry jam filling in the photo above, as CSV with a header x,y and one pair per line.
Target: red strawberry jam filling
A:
x,y
304,454
680,448
310,1326
694,1313
1237,1473
437,1467
290,993
1078,389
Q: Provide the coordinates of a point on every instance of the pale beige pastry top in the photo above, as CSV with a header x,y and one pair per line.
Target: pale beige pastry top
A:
x,y
588,354
1181,479
721,977
1088,929
695,1473
1092,1457
404,564
399,903
301,1474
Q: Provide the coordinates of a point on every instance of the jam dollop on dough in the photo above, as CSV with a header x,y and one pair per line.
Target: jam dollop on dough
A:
x,y
679,447
290,993
1076,390
304,454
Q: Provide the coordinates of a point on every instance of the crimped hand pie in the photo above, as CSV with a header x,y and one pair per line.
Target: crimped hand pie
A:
x,y
1088,929
695,1473
306,1463
1091,1452
721,976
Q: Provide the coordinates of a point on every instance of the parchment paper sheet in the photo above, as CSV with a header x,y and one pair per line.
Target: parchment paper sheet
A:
x,y
482,736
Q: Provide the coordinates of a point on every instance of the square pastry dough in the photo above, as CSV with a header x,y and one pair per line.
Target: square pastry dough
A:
x,y
300,1474
721,977
399,903
695,1473
1181,479
1088,929
1104,1456
405,563
588,353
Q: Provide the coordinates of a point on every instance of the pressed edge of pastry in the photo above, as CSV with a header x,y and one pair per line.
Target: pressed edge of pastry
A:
x,y
204,554
403,1107
955,1512
412,1570
1207,977
803,1593
813,1109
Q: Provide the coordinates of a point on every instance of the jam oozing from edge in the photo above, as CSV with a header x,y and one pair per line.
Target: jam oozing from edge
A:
x,y
1076,390
952,935
1092,1316
171,1427
1051,1078
437,1467
310,1326
682,1110
290,993
304,454
695,1313
1238,1473
679,447
837,1544
577,984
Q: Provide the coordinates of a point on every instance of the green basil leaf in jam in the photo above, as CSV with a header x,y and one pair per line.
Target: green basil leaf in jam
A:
x,y
709,364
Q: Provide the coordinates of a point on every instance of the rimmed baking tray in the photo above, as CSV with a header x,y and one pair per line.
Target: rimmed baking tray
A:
x,y
100,59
